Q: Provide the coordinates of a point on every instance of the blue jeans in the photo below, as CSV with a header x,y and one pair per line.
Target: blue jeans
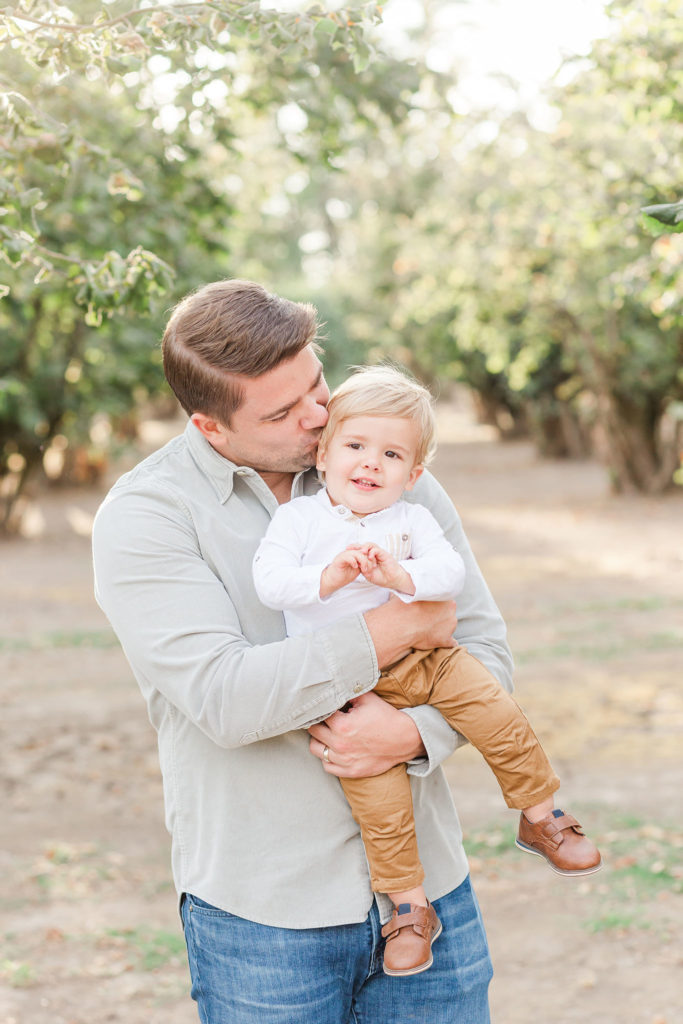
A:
x,y
246,973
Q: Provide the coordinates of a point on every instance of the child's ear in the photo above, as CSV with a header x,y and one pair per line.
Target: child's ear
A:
x,y
415,474
320,458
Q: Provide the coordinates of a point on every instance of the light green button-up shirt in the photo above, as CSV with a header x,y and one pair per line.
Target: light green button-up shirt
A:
x,y
257,827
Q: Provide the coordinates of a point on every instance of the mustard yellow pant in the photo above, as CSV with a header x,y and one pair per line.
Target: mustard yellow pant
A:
x,y
471,701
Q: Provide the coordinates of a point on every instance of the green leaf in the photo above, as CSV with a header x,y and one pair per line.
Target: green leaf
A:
x,y
326,27
663,217
30,197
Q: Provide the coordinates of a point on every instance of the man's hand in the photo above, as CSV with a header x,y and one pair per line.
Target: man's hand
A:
x,y
367,740
396,627
434,624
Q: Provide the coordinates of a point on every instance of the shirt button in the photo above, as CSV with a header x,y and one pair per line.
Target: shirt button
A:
x,y
357,688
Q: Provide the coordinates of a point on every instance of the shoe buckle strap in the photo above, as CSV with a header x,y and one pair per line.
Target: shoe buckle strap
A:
x,y
555,826
413,920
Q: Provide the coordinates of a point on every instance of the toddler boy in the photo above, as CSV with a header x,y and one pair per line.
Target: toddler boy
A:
x,y
346,550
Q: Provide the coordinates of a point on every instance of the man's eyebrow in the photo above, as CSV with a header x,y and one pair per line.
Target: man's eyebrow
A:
x,y
290,405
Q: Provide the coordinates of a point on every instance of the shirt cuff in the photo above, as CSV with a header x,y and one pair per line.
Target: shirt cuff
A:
x,y
351,659
439,740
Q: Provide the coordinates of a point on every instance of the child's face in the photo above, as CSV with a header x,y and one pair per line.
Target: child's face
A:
x,y
370,461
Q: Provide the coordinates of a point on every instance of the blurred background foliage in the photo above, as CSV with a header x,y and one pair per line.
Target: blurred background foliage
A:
x,y
147,150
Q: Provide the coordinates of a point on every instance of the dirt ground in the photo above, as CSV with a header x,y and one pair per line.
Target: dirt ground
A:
x,y
592,589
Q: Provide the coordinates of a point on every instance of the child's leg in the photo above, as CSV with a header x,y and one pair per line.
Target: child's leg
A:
x,y
474,703
383,807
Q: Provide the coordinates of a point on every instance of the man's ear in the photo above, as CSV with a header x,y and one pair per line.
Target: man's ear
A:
x,y
415,474
212,430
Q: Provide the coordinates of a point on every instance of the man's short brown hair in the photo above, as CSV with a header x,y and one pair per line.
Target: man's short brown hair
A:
x,y
227,330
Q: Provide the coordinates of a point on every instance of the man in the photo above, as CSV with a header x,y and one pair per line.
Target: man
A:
x,y
278,912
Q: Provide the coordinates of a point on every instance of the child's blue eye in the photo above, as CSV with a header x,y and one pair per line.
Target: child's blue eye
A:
x,y
392,455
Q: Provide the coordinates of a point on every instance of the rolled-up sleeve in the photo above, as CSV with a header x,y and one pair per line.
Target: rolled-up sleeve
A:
x,y
183,635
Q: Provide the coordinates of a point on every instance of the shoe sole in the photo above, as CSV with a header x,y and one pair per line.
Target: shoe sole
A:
x,y
421,967
558,871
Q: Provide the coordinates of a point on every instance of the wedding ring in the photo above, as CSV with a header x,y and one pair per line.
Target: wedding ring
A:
x,y
326,755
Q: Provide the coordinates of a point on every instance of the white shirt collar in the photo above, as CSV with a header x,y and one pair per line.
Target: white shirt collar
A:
x,y
342,512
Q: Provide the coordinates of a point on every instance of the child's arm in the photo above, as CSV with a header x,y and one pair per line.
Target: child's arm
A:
x,y
436,570
280,580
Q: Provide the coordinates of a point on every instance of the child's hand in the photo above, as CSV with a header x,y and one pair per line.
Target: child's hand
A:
x,y
382,569
344,568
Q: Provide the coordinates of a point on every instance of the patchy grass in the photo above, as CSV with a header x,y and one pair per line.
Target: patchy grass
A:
x,y
491,843
150,949
75,870
599,652
641,880
650,603
564,650
620,921
669,641
96,638
17,974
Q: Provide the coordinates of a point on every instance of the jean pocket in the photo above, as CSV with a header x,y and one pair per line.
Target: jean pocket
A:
x,y
205,908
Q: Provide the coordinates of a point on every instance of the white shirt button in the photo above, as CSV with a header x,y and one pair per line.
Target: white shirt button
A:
x,y
357,688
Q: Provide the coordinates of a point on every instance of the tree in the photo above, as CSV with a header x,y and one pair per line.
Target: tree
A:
x,y
127,135
512,257
112,45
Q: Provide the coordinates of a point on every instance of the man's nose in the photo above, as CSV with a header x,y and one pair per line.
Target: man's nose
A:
x,y
315,416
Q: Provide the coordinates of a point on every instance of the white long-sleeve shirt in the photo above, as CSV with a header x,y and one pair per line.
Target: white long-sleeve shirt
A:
x,y
305,535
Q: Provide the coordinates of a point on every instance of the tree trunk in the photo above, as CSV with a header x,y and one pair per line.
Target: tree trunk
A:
x,y
643,449
557,431
490,410
642,442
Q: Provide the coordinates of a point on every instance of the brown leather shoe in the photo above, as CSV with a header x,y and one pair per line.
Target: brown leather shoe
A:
x,y
560,839
409,936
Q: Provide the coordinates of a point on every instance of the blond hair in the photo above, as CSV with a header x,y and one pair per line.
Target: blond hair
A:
x,y
384,391
226,330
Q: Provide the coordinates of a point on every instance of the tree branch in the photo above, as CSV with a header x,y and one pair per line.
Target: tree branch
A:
x,y
65,27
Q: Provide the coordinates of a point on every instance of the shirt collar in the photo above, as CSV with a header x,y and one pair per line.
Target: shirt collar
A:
x,y
342,512
222,472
